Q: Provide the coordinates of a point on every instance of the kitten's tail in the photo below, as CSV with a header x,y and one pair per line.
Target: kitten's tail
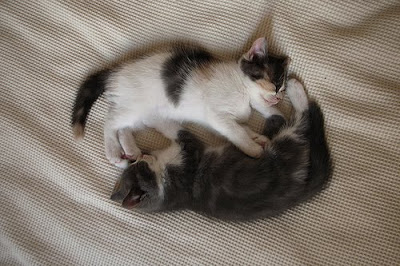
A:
x,y
91,89
320,160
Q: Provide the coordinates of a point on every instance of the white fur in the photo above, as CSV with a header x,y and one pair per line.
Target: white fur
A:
x,y
218,100
299,100
297,95
158,161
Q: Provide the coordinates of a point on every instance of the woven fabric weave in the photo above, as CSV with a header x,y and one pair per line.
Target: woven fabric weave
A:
x,y
54,193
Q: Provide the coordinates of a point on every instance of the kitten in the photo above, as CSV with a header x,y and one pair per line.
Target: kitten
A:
x,y
184,84
225,183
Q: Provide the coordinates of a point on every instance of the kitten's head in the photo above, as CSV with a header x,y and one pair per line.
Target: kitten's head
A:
x,y
139,186
163,180
267,73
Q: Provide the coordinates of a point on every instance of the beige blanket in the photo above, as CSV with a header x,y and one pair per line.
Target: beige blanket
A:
x,y
54,193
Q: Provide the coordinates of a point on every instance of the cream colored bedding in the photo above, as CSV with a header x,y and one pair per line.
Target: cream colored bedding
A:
x,y
54,193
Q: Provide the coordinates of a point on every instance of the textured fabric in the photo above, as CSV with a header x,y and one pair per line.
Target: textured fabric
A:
x,y
54,193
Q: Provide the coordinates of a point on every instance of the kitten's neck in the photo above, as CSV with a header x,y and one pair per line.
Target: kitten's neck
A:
x,y
168,156
249,86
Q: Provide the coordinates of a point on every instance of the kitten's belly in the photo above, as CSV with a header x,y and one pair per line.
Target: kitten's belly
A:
x,y
187,113
193,107
242,114
198,114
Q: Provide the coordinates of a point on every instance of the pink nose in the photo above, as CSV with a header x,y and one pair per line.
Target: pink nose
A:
x,y
276,98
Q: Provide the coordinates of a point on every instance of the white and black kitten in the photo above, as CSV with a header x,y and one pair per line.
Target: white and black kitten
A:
x,y
185,83
224,182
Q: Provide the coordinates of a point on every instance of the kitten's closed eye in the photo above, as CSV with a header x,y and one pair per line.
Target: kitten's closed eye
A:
x,y
257,76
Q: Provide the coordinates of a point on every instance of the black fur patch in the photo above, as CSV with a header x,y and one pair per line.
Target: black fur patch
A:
x,y
137,182
254,68
277,70
273,66
91,89
273,125
178,67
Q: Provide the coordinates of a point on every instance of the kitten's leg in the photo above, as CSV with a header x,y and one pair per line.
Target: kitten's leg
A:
x,y
119,153
297,95
237,135
114,151
128,144
260,139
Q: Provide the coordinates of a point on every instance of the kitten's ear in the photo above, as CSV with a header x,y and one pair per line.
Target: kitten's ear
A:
x,y
120,191
259,49
133,198
125,193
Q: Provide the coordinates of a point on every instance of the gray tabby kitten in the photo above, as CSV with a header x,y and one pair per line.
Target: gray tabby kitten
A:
x,y
185,83
224,182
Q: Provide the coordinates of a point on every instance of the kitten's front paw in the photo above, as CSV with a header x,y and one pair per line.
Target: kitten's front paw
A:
x,y
124,160
255,151
263,141
117,157
133,156
118,161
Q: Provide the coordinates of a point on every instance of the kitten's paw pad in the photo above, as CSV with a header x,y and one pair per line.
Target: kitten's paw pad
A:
x,y
131,153
115,155
263,141
130,157
119,162
122,164
126,157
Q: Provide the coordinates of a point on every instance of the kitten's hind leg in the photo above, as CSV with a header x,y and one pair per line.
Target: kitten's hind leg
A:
x,y
297,95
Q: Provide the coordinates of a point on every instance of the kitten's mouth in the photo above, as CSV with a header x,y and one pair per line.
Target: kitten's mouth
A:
x,y
271,102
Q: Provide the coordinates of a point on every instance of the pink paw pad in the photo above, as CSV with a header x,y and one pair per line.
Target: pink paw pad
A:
x,y
127,157
262,144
